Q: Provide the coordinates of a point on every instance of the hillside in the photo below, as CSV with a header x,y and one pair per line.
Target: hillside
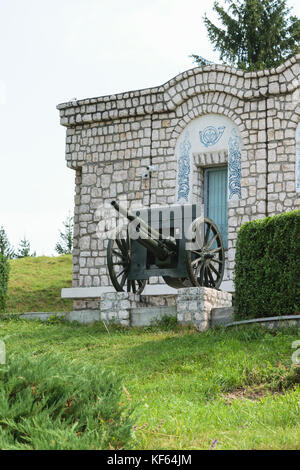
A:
x,y
35,284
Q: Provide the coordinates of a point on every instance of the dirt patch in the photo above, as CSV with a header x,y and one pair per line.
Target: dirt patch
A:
x,y
250,393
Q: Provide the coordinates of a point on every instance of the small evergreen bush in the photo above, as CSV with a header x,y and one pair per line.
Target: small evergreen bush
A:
x,y
267,267
47,403
4,275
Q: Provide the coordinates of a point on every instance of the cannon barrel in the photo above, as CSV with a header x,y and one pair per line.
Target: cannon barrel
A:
x,y
150,238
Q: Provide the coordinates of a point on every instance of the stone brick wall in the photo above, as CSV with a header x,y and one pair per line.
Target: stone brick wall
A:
x,y
194,305
112,139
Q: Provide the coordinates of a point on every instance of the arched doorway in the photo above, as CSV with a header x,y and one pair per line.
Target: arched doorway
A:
x,y
208,154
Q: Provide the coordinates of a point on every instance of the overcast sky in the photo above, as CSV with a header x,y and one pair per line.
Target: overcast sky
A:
x,y
55,50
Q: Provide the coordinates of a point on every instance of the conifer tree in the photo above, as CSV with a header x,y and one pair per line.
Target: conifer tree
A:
x,y
5,247
24,249
254,34
65,244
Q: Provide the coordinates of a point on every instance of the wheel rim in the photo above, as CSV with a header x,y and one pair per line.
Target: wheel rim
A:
x,y
118,262
206,265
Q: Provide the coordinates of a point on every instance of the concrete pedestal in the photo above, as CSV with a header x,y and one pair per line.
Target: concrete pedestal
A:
x,y
116,307
191,305
194,305
130,309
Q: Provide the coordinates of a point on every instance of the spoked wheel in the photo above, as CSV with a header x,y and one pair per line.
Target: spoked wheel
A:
x,y
205,265
118,262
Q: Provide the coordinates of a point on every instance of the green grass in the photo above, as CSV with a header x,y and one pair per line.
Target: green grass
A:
x,y
35,284
236,386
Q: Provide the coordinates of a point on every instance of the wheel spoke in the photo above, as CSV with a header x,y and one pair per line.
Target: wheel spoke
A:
x,y
207,235
123,279
121,272
117,253
214,270
197,269
201,274
196,261
121,246
215,260
211,241
124,244
205,275
205,265
210,276
216,249
118,261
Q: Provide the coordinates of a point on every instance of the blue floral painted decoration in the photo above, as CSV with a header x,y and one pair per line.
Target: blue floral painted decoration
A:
x,y
184,169
234,165
211,135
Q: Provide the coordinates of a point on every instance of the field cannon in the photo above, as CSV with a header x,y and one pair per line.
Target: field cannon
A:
x,y
173,242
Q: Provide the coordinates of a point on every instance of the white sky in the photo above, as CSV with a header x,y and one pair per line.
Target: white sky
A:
x,y
54,50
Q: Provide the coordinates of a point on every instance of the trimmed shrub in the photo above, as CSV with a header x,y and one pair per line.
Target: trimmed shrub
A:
x,y
4,275
267,267
47,403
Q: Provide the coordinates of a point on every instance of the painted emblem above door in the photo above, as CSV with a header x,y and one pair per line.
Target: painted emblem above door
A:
x,y
211,135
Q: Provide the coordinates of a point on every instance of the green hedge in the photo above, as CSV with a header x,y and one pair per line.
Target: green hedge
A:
x,y
4,274
267,267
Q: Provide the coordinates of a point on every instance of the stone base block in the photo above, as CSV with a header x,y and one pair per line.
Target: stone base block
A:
x,y
194,305
146,316
86,304
85,317
159,300
116,306
221,316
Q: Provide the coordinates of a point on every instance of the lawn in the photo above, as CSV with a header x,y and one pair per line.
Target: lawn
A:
x,y
226,389
35,284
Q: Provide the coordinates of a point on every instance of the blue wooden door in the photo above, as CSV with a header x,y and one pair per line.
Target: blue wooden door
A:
x,y
215,199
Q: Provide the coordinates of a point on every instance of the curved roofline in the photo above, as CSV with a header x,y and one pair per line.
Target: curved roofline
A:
x,y
183,75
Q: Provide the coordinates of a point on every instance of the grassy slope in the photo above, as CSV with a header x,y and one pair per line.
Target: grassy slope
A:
x,y
35,284
187,385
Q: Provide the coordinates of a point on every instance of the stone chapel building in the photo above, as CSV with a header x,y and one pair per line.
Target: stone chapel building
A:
x,y
213,134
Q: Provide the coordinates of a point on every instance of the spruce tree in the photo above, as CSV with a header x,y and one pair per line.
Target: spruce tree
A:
x,y
65,244
24,249
5,247
255,34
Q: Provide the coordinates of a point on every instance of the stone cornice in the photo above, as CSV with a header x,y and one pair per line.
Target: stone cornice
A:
x,y
246,86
